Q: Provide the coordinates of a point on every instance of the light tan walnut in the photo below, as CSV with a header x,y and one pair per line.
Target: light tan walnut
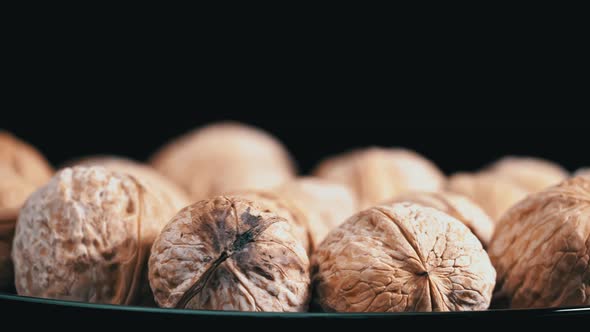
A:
x,y
457,206
228,253
493,193
86,236
532,174
541,248
168,190
377,174
224,157
402,257
22,170
325,204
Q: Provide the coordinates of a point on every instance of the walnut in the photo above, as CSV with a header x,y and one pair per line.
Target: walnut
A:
x,y
583,172
532,174
227,253
377,174
493,193
541,248
169,191
22,170
402,257
86,236
457,206
325,204
224,157
284,208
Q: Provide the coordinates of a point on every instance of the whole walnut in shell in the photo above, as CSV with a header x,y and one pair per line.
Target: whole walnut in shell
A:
x,y
86,236
457,206
228,253
325,204
541,248
224,157
377,174
402,257
168,190
493,193
22,170
532,174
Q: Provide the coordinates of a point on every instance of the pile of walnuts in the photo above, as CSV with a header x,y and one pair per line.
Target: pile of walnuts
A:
x,y
219,220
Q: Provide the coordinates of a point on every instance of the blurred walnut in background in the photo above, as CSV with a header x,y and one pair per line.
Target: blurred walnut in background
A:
x,y
402,257
377,174
457,206
86,236
494,194
229,253
224,157
541,248
583,172
532,174
22,170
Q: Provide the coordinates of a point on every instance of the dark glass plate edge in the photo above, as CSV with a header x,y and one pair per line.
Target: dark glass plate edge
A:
x,y
210,313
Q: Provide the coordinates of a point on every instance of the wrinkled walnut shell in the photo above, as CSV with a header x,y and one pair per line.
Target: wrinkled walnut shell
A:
x,y
402,257
541,248
22,170
378,174
222,158
227,253
86,235
457,206
169,191
493,193
532,174
325,204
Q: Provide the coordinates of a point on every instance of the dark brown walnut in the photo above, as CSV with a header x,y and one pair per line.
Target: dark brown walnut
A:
x,y
284,208
402,257
541,248
494,194
532,174
228,253
86,236
457,206
168,190
224,157
22,170
325,204
377,174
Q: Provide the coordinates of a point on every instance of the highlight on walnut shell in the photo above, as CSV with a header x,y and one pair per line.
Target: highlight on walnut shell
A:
x,y
532,174
168,190
494,194
224,157
402,257
22,170
541,248
86,235
377,174
325,204
458,207
284,208
228,253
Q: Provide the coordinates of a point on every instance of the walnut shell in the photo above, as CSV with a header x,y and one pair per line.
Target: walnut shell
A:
x,y
22,170
284,208
325,204
402,257
532,174
493,193
86,236
583,172
224,157
541,248
377,174
168,190
227,253
457,206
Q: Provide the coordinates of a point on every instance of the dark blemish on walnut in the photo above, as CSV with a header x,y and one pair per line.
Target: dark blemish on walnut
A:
x,y
249,219
258,270
130,207
108,255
